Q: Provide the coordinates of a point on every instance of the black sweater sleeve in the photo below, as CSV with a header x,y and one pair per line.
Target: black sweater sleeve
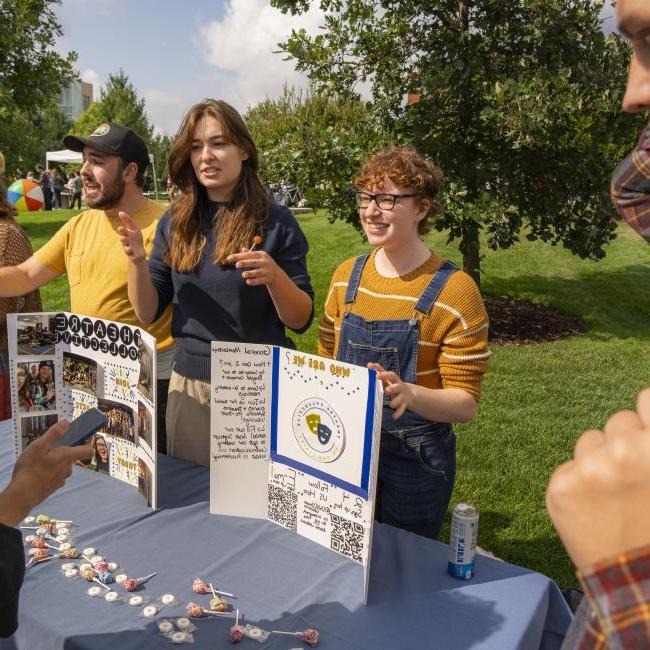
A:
x,y
12,572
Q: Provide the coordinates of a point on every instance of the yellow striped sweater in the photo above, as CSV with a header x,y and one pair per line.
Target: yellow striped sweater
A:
x,y
453,346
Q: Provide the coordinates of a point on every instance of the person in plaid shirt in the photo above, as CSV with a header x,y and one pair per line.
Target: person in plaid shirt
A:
x,y
599,501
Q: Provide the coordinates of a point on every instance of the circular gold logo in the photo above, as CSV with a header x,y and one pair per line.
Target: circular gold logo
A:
x,y
102,129
318,430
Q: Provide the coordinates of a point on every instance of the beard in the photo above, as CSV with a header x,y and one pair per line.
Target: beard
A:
x,y
109,196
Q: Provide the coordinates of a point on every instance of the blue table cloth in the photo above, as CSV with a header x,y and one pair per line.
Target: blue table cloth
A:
x,y
282,581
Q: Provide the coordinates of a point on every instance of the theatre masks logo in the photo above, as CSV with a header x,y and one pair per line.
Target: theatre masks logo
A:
x,y
318,430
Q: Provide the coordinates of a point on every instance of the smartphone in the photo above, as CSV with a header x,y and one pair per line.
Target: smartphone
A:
x,y
82,428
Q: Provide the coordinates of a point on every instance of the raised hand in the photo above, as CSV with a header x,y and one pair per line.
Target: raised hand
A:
x,y
131,238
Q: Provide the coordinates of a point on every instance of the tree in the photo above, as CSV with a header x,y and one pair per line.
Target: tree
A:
x,y
118,102
31,71
317,142
31,76
519,102
160,146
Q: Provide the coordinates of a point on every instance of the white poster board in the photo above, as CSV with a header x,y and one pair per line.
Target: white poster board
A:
x,y
295,439
63,364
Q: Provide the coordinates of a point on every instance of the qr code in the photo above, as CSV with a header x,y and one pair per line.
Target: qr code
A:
x,y
347,537
283,507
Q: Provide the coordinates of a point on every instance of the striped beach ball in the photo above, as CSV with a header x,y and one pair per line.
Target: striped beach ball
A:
x,y
26,195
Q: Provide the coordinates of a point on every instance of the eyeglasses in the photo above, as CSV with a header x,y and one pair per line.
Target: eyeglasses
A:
x,y
382,201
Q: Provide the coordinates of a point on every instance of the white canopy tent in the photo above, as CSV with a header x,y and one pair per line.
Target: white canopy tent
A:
x,y
63,156
67,156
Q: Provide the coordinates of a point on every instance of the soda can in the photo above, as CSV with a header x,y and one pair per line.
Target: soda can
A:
x,y
462,542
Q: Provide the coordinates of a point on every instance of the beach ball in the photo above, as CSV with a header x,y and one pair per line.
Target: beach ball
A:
x,y
26,195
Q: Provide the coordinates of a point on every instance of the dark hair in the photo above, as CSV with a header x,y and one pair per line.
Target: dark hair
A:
x,y
405,167
7,211
139,176
238,221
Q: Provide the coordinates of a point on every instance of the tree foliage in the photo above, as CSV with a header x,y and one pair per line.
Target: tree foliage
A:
x,y
315,141
32,73
118,102
519,102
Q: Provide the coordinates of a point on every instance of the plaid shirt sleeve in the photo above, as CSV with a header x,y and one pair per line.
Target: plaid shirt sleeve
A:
x,y
631,186
619,593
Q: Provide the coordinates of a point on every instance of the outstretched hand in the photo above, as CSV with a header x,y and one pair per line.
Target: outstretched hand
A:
x,y
39,471
261,268
400,392
599,500
131,238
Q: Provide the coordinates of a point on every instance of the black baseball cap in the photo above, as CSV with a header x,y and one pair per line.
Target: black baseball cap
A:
x,y
115,139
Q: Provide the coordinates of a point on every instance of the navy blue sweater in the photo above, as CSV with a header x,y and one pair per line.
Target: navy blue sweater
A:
x,y
214,303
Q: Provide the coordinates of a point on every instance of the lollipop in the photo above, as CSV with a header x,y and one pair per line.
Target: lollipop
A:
x,y
101,566
91,576
200,587
195,611
38,555
236,631
131,584
257,240
219,605
44,519
310,636
46,529
105,577
70,553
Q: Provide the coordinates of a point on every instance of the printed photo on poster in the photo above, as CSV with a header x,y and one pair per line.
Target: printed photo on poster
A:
x,y
35,333
121,422
144,480
145,357
80,372
32,428
144,423
36,390
101,457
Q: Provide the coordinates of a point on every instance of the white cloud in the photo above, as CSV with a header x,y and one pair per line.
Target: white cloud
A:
x,y
90,76
241,46
165,110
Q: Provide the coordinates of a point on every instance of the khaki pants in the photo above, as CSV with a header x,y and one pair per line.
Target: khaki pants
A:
x,y
188,419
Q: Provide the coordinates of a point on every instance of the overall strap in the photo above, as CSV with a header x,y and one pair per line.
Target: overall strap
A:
x,y
355,278
438,281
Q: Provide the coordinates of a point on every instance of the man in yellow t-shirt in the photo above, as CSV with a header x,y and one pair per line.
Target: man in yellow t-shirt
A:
x,y
88,247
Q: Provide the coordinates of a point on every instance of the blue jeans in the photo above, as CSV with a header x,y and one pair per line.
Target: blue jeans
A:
x,y
416,479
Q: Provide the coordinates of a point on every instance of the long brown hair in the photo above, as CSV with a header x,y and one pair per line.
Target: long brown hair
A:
x,y
235,223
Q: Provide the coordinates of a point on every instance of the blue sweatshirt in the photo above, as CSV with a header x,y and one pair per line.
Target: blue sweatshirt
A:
x,y
214,303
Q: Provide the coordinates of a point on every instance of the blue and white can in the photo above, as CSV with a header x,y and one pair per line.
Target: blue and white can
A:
x,y
462,542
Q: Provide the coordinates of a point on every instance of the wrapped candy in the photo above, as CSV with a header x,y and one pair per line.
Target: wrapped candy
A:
x,y
236,633
70,553
200,587
219,605
195,611
37,542
131,584
44,519
310,636
101,566
88,574
105,577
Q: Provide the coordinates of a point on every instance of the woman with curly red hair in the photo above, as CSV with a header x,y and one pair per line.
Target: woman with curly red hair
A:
x,y
417,320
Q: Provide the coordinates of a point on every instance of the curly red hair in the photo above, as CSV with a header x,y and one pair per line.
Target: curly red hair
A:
x,y
404,166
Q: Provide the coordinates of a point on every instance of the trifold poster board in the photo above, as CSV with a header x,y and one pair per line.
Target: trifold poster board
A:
x,y
62,364
295,439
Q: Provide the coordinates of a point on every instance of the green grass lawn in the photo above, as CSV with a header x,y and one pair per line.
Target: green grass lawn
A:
x,y
536,399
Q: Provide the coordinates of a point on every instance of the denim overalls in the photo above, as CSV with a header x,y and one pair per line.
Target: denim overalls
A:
x,y
417,463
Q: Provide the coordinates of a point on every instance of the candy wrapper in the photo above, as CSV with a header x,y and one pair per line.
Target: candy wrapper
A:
x,y
113,597
256,633
136,600
177,638
149,611
165,626
184,624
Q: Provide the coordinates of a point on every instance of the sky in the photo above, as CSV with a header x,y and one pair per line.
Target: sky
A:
x,y
178,52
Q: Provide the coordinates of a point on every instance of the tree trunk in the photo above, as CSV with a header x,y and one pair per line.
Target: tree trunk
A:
x,y
470,248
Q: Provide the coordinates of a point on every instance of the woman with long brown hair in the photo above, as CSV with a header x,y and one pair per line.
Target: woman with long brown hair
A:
x,y
14,249
232,262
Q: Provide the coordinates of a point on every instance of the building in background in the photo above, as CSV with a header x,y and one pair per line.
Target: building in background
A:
x,y
75,98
